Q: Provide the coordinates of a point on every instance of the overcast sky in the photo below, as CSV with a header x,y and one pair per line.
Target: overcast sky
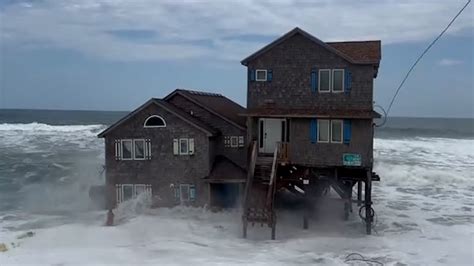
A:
x,y
116,54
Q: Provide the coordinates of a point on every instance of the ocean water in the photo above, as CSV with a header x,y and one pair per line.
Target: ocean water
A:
x,y
49,159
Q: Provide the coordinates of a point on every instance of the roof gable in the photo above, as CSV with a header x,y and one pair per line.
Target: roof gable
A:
x,y
353,52
215,103
168,107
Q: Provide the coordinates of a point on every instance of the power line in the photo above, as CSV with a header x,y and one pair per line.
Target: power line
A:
x,y
424,52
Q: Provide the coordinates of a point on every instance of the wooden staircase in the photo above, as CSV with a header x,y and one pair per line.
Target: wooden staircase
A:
x,y
258,206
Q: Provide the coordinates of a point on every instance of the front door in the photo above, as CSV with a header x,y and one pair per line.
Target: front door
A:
x,y
270,134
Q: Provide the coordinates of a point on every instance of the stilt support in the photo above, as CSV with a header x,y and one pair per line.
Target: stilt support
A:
x,y
359,193
368,203
244,227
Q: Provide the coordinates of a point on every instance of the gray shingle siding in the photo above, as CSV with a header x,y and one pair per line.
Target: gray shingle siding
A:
x,y
237,155
165,168
292,62
302,151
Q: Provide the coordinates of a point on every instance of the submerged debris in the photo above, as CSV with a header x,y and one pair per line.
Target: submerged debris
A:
x,y
25,235
3,247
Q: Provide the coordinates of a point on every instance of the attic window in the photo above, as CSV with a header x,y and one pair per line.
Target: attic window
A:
x,y
154,121
261,75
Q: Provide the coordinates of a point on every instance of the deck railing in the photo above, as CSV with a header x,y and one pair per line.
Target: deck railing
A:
x,y
283,151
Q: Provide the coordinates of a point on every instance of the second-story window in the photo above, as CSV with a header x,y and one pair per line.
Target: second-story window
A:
x,y
324,80
337,80
183,146
132,149
330,80
261,75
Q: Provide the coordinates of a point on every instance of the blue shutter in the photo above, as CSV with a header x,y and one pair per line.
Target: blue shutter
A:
x,y
314,80
251,74
347,131
347,80
269,75
313,130
192,192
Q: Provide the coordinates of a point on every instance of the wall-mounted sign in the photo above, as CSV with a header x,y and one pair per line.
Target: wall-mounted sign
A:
x,y
351,159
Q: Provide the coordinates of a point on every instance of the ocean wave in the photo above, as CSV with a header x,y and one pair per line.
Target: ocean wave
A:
x,y
46,127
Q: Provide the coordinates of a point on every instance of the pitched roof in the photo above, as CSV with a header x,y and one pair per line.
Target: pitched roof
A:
x,y
313,113
168,107
214,103
225,170
364,52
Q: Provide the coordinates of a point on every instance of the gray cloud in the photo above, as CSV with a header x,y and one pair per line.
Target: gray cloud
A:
x,y
173,30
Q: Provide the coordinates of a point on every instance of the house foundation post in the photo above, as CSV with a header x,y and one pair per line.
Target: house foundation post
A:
x,y
359,193
368,202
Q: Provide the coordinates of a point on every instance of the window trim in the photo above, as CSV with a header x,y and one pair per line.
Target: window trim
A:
x,y
132,148
153,116
342,131
144,150
256,75
330,80
123,191
319,130
187,146
241,141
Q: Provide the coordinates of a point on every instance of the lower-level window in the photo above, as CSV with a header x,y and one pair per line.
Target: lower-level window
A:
x,y
185,192
126,192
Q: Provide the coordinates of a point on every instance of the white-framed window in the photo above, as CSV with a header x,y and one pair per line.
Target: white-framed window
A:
x,y
336,131
154,121
132,149
241,141
183,146
126,192
261,75
186,193
234,141
126,149
323,131
338,80
324,80
139,149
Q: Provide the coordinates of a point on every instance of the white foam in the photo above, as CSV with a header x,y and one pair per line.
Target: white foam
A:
x,y
424,208
39,127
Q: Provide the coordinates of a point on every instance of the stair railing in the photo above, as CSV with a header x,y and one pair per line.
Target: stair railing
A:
x,y
272,183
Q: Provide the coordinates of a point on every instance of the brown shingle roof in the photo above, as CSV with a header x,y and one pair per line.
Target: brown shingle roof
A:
x,y
361,52
313,113
215,103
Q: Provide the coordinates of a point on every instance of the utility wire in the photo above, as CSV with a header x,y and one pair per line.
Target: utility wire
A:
x,y
424,52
